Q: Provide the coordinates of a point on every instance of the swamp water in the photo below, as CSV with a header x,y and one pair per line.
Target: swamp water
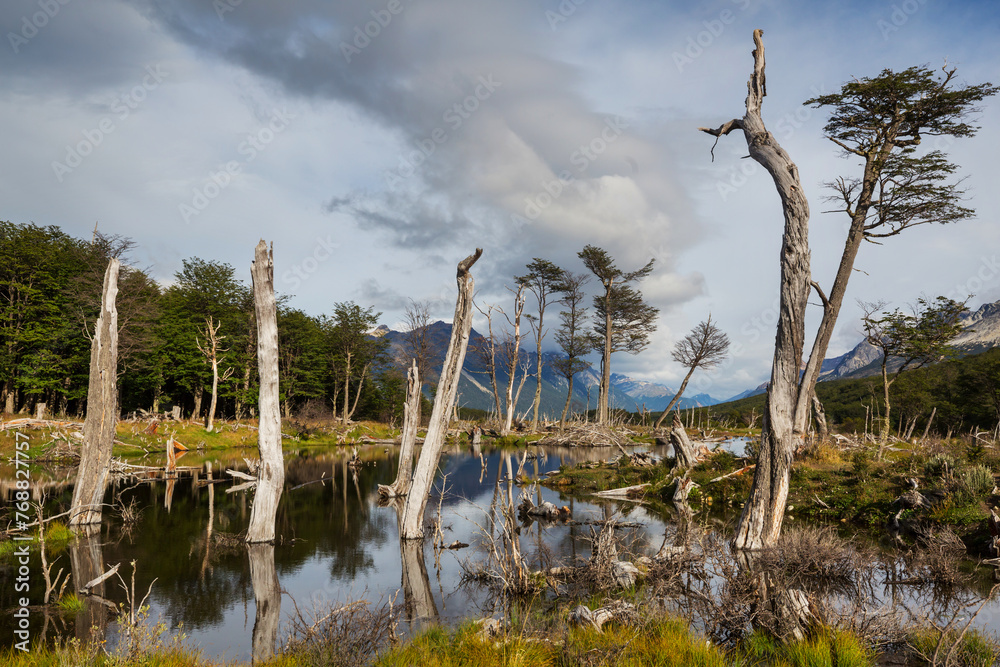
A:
x,y
339,545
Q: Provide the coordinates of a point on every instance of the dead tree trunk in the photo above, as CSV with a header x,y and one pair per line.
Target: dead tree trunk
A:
x,y
423,476
211,351
271,475
683,450
408,443
760,523
822,431
267,597
930,420
102,409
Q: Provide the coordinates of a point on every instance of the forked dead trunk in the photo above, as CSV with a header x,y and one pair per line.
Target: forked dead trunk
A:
x,y
430,454
760,523
102,409
271,474
683,449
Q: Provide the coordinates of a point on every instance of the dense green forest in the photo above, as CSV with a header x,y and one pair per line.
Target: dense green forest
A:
x,y
50,287
963,394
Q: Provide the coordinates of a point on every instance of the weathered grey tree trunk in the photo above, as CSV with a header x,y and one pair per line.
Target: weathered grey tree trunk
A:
x,y
408,442
513,349
605,387
430,454
102,409
760,522
930,420
271,475
822,431
211,352
569,397
267,597
683,450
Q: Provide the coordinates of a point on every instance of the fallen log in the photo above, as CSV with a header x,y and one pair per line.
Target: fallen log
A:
x,y
97,580
618,611
734,473
625,492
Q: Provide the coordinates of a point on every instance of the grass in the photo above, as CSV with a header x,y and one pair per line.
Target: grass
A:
x,y
664,642
70,604
974,649
225,435
57,538
822,648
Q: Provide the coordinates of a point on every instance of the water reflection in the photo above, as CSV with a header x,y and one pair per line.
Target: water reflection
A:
x,y
87,563
338,545
267,598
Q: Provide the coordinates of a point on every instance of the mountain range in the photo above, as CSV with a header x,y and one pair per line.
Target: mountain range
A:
x,y
474,389
981,332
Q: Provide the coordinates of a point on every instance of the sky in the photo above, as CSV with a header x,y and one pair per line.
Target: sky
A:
x,y
378,143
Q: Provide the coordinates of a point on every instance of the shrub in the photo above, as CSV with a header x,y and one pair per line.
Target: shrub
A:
x,y
939,465
976,481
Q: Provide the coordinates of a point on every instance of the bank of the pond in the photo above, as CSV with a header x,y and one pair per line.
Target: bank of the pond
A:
x,y
910,489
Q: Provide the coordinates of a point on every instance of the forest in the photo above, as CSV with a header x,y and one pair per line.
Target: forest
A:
x,y
50,285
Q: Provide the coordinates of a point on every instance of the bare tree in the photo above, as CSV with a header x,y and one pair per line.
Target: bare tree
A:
x,y
487,350
511,354
544,279
705,347
271,473
430,455
212,350
418,344
760,522
572,338
881,121
102,409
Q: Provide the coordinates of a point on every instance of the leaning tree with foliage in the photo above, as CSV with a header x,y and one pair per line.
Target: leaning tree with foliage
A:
x,y
544,280
623,320
910,340
571,335
705,347
882,122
